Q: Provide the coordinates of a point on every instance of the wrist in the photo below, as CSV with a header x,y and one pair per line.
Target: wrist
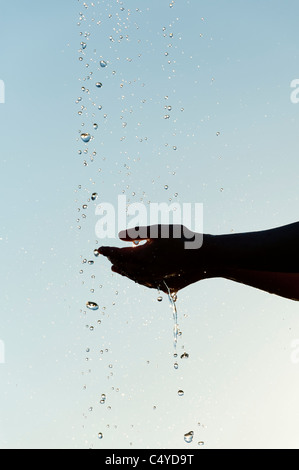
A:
x,y
208,260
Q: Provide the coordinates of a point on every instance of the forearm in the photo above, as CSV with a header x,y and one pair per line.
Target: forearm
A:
x,y
275,250
267,260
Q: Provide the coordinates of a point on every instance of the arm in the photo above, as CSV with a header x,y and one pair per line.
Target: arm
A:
x,y
266,260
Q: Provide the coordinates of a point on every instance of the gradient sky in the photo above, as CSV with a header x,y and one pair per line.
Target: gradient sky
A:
x,y
231,143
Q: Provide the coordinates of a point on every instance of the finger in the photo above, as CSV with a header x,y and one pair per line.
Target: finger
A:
x,y
138,279
108,251
117,270
158,231
136,233
116,255
146,233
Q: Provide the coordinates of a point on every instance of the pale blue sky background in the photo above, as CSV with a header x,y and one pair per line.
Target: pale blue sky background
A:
x,y
231,65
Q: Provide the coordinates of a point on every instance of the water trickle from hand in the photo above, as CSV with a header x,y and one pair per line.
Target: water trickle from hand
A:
x,y
173,299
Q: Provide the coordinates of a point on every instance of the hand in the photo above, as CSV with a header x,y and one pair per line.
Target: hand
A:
x,y
163,262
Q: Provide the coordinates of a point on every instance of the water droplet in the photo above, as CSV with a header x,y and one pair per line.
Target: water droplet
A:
x,y
201,443
85,137
188,438
94,196
99,85
84,45
218,134
176,366
181,393
103,63
95,126
160,299
96,253
166,187
92,306
100,435
185,356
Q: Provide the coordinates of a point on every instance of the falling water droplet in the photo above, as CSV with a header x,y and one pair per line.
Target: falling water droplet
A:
x,y
185,356
103,63
188,438
100,435
85,137
160,299
181,393
99,85
92,306
94,196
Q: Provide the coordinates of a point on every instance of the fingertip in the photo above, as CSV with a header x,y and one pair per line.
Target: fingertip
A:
x,y
101,250
123,235
105,250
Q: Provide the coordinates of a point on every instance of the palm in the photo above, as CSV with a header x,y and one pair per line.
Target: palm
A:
x,y
159,263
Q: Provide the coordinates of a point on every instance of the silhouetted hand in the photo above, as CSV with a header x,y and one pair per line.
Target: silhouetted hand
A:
x,y
172,258
162,262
